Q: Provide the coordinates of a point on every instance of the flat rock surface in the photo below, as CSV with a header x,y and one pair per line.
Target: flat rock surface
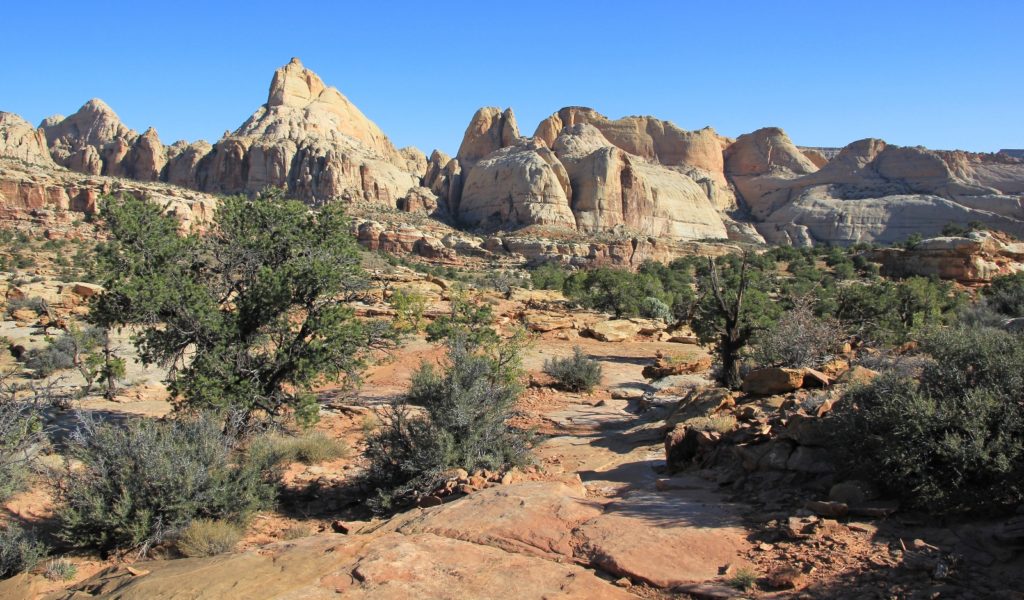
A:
x,y
391,565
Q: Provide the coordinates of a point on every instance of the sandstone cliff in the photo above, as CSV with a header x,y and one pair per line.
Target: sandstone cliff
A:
x,y
580,174
870,191
571,176
308,138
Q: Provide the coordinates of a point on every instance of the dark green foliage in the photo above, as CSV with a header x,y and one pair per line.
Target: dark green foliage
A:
x,y
952,441
469,319
462,424
1005,295
258,304
956,229
734,304
891,312
146,479
912,241
549,276
576,373
19,550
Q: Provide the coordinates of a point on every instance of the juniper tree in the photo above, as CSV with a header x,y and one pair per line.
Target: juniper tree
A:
x,y
247,316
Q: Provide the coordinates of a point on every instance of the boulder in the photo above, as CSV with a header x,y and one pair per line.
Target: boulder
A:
x,y
614,330
667,366
684,443
700,403
773,380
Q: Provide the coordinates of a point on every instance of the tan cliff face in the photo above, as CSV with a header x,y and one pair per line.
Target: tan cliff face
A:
x,y
581,172
308,138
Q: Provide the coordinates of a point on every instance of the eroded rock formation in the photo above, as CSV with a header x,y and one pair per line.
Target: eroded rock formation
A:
x,y
581,172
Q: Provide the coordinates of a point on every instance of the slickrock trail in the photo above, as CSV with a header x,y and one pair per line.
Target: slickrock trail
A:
x,y
598,512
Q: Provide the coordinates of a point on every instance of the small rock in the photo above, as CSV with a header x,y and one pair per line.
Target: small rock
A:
x,y
623,582
827,509
341,527
852,492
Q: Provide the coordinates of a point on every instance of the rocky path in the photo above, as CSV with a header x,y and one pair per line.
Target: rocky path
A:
x,y
602,522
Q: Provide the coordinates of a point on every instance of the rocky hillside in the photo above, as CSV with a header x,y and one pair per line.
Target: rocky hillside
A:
x,y
580,174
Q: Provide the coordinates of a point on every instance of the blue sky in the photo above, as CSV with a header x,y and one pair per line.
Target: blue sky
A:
x,y
940,74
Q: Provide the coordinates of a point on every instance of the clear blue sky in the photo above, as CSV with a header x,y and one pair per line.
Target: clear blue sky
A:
x,y
940,74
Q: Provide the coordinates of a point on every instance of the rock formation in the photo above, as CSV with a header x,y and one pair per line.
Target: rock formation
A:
x,y
570,176
311,140
20,141
635,178
308,138
94,141
870,191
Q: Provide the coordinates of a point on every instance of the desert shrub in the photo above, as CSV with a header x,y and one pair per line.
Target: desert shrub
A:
x,y
61,569
1005,295
468,318
951,441
309,448
892,312
576,373
653,308
296,532
453,418
208,537
146,479
743,579
21,433
798,339
19,550
35,304
548,276
409,308
717,423
617,291
48,360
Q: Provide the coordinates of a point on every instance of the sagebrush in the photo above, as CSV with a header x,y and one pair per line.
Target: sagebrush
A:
x,y
453,418
576,373
951,441
144,480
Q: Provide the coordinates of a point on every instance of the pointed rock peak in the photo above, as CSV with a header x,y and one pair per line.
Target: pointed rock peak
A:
x,y
766,150
97,106
490,129
294,85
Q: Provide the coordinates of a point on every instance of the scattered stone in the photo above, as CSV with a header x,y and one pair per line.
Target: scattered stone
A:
x,y
667,366
827,509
